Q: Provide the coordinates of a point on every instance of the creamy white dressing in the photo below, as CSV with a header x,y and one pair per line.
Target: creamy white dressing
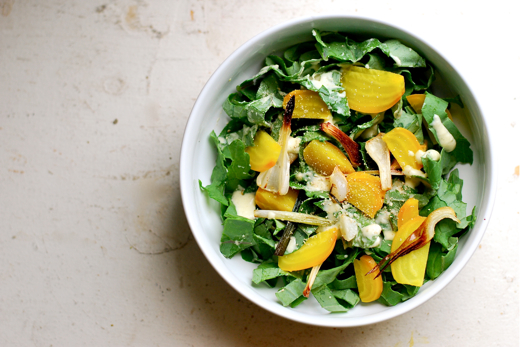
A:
x,y
431,153
418,156
324,80
229,138
398,185
307,176
371,230
331,207
409,171
351,230
446,139
397,60
383,217
244,203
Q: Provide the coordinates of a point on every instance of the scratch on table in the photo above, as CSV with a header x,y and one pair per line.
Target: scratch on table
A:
x,y
150,70
167,249
85,102
150,174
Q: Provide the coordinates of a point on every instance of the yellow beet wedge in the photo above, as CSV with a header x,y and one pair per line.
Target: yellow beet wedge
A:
x,y
370,287
403,145
312,253
409,210
264,153
308,104
267,200
420,231
370,90
410,268
323,157
417,101
350,146
365,192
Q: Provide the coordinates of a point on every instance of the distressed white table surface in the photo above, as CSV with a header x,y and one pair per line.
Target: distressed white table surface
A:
x,y
95,247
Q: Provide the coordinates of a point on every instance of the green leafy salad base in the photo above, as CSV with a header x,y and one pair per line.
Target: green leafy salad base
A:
x,y
257,104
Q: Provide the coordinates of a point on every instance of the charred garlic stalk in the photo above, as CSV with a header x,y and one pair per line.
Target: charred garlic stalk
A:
x,y
294,217
289,228
392,172
418,238
276,179
350,146
310,280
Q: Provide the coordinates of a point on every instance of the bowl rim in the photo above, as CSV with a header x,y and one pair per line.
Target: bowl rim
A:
x,y
441,282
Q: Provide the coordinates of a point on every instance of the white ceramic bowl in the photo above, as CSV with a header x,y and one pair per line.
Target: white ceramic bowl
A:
x,y
198,159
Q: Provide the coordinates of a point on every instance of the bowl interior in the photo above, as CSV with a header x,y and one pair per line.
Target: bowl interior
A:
x,y
198,159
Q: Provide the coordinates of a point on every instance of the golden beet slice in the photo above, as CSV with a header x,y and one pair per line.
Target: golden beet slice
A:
x,y
264,153
323,157
267,200
370,287
410,268
314,252
417,101
409,210
403,145
370,90
308,104
364,192
350,146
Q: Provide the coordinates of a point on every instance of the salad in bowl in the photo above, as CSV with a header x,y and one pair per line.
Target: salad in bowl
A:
x,y
335,173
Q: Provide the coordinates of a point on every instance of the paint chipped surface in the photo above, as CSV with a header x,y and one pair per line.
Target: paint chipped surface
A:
x,y
6,7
